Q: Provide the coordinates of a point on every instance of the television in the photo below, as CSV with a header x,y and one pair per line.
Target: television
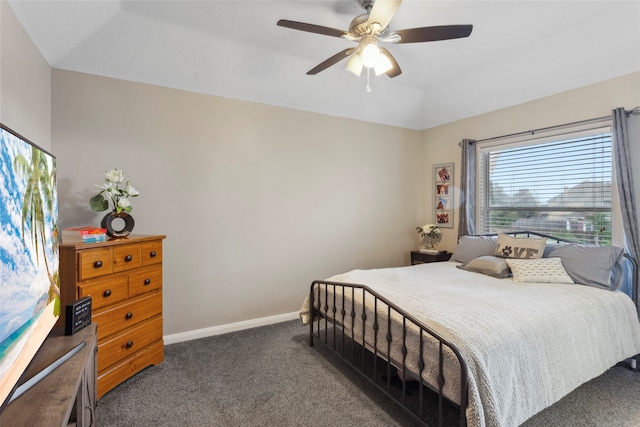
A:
x,y
29,260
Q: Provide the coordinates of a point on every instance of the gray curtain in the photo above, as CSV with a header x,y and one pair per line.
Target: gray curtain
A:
x,y
624,176
467,223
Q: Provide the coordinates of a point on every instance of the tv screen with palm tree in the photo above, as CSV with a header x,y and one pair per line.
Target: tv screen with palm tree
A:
x,y
29,281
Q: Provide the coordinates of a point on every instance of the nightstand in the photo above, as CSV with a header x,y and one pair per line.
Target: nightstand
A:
x,y
418,257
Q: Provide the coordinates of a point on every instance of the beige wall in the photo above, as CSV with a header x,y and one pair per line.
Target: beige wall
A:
x,y
25,82
256,201
440,144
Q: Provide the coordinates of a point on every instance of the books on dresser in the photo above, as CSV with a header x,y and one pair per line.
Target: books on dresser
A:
x,y
88,234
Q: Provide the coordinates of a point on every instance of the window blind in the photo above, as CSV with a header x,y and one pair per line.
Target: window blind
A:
x,y
559,185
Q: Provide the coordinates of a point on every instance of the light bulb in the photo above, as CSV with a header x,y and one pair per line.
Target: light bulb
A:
x,y
383,64
355,64
370,55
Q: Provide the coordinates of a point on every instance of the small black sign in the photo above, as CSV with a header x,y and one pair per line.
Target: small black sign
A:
x,y
78,315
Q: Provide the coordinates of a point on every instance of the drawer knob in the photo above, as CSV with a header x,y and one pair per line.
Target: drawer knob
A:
x,y
147,282
129,315
130,344
97,264
107,293
153,254
128,258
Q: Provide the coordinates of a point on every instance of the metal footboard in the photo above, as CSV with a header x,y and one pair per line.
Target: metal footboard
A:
x,y
377,338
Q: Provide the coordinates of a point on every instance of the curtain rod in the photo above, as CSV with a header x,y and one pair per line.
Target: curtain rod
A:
x,y
634,111
545,129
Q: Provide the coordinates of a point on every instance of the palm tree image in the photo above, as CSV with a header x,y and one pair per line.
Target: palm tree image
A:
x,y
38,201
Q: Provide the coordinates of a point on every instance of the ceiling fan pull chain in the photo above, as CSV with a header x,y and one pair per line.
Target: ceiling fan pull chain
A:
x,y
369,80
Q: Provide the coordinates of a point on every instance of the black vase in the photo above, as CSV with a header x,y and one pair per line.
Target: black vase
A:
x,y
107,222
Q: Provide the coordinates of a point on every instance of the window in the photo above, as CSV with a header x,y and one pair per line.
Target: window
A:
x,y
558,185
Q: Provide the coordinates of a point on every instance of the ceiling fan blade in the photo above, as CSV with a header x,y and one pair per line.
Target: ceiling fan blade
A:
x,y
432,34
311,28
382,12
395,71
331,61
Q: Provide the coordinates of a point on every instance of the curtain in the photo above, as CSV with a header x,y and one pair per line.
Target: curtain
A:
x,y
623,167
467,223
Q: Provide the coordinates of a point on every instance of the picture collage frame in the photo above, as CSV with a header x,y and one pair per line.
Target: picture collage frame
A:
x,y
443,194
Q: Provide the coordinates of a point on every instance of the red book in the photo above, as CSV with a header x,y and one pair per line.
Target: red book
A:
x,y
87,230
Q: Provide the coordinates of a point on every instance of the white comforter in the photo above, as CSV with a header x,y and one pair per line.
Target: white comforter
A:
x,y
526,345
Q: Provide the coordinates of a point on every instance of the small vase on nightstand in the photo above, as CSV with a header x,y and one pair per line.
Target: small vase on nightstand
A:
x,y
429,244
425,242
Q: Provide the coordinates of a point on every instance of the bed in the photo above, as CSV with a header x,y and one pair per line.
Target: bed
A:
x,y
494,337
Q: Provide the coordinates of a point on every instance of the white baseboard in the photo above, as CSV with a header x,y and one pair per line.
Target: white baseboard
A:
x,y
230,327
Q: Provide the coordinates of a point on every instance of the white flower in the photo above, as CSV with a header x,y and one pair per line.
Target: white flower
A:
x,y
124,202
430,230
130,190
111,195
107,186
114,175
114,191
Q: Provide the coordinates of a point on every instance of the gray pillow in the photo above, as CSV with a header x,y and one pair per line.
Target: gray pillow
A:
x,y
590,265
472,247
489,265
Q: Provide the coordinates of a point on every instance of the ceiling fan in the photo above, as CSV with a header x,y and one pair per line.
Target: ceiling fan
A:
x,y
371,28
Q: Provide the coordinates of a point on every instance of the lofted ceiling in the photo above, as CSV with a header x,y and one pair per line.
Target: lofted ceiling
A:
x,y
518,51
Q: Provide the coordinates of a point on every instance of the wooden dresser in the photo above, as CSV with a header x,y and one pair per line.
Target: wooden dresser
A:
x,y
124,279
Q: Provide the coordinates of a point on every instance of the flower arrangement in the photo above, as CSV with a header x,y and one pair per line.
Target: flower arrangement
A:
x,y
429,230
112,194
428,235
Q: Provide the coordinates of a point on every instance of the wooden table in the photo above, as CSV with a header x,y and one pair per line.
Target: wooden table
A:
x,y
65,396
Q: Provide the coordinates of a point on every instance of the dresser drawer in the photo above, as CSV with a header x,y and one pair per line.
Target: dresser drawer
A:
x,y
152,253
94,263
128,342
126,257
114,375
145,280
130,313
104,292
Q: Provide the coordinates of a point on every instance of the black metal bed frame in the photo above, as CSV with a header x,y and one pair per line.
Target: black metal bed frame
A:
x,y
375,362
344,343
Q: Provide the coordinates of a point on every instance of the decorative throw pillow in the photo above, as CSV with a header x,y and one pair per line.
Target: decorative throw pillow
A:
x,y
538,270
519,247
471,247
489,265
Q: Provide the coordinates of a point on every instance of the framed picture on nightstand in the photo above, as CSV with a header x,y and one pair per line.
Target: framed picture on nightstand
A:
x,y
443,194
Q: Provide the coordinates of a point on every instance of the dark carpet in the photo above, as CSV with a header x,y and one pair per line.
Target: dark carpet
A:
x,y
269,376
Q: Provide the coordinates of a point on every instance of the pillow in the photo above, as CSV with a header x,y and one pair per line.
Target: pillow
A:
x,y
538,270
591,265
489,265
519,247
472,247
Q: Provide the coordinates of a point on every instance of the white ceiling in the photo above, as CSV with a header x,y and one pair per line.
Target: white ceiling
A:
x,y
518,51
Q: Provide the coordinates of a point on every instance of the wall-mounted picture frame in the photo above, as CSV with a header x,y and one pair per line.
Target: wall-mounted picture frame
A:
x,y
443,194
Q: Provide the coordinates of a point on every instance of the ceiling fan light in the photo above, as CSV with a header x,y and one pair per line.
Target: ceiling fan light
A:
x,y
383,64
370,55
354,64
